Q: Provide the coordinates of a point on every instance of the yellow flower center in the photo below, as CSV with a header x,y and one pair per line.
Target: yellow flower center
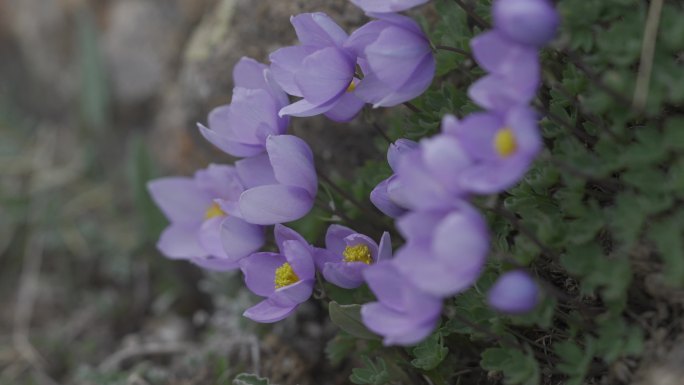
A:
x,y
213,211
357,253
352,86
285,276
505,143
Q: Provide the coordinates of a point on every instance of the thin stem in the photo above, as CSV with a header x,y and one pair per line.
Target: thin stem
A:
x,y
524,231
471,13
647,53
382,132
454,49
412,107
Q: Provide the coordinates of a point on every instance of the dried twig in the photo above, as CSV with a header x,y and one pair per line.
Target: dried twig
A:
x,y
647,53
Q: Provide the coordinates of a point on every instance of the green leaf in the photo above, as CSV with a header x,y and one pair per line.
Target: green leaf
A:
x,y
372,374
518,367
348,318
249,379
574,360
339,348
430,353
668,236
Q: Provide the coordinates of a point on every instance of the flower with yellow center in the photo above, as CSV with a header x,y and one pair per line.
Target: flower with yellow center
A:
x,y
352,86
505,143
357,253
285,276
213,211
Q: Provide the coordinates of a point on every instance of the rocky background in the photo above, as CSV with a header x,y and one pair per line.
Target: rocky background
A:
x,y
96,97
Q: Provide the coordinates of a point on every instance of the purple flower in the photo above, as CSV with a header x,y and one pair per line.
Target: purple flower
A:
x,y
241,128
514,72
403,315
348,253
387,6
530,22
396,59
501,146
514,292
286,279
202,230
380,195
429,177
281,185
445,250
320,70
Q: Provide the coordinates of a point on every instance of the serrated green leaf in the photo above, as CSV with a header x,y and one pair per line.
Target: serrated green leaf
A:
x,y
518,367
372,374
339,348
429,353
348,318
574,360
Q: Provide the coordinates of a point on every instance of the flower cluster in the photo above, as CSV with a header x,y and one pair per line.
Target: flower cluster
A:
x,y
486,152
218,218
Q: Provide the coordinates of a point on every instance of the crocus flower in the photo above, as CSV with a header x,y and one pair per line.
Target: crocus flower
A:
x,y
514,292
445,250
201,230
514,72
396,59
530,22
403,315
387,6
280,185
286,278
501,146
347,253
241,128
380,196
320,70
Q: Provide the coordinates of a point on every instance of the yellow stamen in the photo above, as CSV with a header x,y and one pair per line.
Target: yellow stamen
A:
x,y
285,276
357,253
352,86
505,143
213,211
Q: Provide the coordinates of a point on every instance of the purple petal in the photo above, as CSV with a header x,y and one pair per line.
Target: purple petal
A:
x,y
387,284
462,237
267,311
271,204
344,274
514,292
450,125
385,247
476,134
300,257
255,171
498,55
364,36
397,149
418,226
292,162
396,53
524,123
249,73
430,275
420,189
382,201
180,242
323,256
399,20
413,337
250,110
334,238
387,6
215,264
397,328
180,199
209,236
294,294
240,238
283,233
318,29
325,75
500,93
259,270
304,108
445,158
346,108
220,181
531,22
229,146
285,62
